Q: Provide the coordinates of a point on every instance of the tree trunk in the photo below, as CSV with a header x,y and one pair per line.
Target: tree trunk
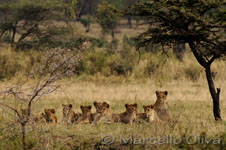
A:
x,y
13,36
215,94
113,34
23,132
129,21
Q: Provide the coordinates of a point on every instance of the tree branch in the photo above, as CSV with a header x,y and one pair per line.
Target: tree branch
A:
x,y
13,109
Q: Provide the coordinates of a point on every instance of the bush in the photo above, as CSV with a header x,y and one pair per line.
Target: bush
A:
x,y
119,66
93,62
108,63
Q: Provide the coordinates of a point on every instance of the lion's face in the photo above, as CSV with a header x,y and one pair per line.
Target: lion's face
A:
x,y
66,109
148,109
101,107
49,111
50,115
131,108
161,96
86,110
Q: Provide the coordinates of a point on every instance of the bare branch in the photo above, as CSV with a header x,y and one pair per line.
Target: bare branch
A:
x,y
13,109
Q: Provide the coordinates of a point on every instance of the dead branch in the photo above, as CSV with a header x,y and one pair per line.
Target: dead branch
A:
x,y
11,108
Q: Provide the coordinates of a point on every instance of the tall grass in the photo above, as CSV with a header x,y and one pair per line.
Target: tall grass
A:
x,y
117,77
190,104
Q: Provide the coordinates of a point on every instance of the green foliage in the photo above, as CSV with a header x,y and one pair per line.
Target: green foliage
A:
x,y
199,23
107,16
32,23
128,41
70,8
108,63
119,66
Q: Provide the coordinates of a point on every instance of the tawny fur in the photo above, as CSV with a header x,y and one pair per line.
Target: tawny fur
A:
x,y
161,106
104,114
50,115
129,116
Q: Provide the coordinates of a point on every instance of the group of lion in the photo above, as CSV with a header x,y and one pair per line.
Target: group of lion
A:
x,y
156,112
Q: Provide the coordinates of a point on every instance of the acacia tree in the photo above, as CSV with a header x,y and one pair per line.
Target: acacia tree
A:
x,y
108,17
201,24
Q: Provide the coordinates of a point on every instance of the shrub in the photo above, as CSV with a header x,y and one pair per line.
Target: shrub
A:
x,y
93,62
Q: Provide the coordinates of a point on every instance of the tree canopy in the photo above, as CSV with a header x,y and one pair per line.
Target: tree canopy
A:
x,y
200,23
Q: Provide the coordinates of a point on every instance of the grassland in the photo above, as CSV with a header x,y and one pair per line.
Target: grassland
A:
x,y
190,104
189,100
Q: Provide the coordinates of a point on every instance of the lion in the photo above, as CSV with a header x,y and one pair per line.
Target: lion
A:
x,y
129,116
149,114
86,116
161,106
69,115
49,115
104,114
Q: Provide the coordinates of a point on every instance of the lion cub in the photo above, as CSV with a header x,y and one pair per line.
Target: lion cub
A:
x,y
86,116
129,116
69,115
49,115
103,113
161,106
149,114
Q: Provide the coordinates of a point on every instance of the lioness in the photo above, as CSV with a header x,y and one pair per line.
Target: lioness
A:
x,y
129,116
103,113
161,106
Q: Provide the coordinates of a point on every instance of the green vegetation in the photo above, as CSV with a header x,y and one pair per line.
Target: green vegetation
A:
x,y
108,17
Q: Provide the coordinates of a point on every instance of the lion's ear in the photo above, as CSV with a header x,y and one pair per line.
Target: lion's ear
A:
x,y
106,104
152,107
157,92
126,105
42,114
70,105
90,107
81,106
53,111
94,103
135,104
63,105
166,92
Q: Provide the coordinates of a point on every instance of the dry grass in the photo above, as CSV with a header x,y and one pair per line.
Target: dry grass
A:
x,y
190,104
